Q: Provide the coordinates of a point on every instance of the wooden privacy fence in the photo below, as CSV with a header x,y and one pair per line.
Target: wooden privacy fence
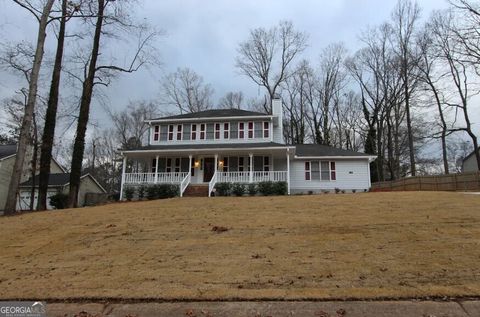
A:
x,y
450,182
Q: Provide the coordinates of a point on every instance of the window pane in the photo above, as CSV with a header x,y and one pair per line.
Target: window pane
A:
x,y
334,175
332,166
325,166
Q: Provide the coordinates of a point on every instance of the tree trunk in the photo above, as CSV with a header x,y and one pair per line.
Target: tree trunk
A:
x,y
34,162
409,125
10,205
51,116
79,146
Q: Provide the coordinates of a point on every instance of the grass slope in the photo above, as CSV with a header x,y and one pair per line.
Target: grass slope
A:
x,y
327,246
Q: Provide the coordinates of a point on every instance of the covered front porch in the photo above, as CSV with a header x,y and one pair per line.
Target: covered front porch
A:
x,y
205,167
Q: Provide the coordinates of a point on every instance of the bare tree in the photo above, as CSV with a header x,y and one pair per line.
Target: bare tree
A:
x,y
42,17
185,90
231,100
267,55
108,13
442,24
431,74
51,114
405,17
130,123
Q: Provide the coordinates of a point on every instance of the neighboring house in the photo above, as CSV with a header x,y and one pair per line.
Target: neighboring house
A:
x,y
208,147
469,163
7,160
58,183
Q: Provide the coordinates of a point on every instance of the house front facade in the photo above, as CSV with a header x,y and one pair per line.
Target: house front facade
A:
x,y
238,146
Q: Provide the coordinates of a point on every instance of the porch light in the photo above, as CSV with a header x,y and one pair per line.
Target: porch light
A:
x,y
196,164
220,163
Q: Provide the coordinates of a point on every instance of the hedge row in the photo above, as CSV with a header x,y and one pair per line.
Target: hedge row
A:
x,y
158,191
240,189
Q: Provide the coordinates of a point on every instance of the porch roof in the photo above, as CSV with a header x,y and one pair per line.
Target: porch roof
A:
x,y
209,147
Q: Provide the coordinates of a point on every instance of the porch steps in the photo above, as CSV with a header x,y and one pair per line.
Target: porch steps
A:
x,y
196,191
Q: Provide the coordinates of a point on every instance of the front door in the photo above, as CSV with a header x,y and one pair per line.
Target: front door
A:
x,y
208,168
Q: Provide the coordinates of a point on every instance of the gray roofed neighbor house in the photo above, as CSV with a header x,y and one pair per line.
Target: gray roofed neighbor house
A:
x,y
56,179
214,113
305,150
7,150
200,147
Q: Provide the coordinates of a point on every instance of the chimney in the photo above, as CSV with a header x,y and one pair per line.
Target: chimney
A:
x,y
277,113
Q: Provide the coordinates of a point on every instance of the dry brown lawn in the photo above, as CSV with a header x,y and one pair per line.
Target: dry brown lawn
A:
x,y
323,246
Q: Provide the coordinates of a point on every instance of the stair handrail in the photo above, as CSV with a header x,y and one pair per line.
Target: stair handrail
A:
x,y
212,183
185,182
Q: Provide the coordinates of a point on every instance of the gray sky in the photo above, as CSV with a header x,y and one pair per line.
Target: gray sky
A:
x,y
203,35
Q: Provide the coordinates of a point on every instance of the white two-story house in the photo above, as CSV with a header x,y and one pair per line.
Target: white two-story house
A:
x,y
208,147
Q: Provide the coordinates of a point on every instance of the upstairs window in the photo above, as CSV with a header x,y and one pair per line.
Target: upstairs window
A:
x,y
202,131
266,130
217,131
194,132
250,130
156,133
241,130
307,171
226,130
170,132
179,132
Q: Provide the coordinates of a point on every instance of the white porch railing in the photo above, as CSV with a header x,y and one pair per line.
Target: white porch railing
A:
x,y
184,183
211,184
257,176
149,178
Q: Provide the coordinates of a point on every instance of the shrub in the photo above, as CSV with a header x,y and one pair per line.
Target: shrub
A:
x,y
266,188
343,191
252,189
223,189
280,188
59,201
325,191
141,192
337,190
151,192
162,191
238,189
129,192
354,191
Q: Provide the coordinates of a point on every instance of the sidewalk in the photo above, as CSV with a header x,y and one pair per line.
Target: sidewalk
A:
x,y
273,309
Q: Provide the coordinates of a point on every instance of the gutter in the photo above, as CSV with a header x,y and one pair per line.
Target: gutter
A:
x,y
208,119
210,149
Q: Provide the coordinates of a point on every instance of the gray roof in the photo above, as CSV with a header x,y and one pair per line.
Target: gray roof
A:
x,y
55,179
214,113
207,146
324,150
7,150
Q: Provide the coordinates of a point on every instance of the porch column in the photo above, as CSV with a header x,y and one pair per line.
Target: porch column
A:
x,y
190,164
288,172
216,162
124,165
251,167
156,169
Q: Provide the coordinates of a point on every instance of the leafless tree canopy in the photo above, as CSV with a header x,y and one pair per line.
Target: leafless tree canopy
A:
x,y
267,56
186,91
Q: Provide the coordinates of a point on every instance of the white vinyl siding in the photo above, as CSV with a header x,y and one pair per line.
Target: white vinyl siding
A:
x,y
349,174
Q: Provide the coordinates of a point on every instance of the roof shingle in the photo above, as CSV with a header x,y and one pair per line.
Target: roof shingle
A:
x,y
214,113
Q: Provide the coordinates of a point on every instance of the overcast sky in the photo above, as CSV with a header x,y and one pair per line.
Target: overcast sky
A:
x,y
204,35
